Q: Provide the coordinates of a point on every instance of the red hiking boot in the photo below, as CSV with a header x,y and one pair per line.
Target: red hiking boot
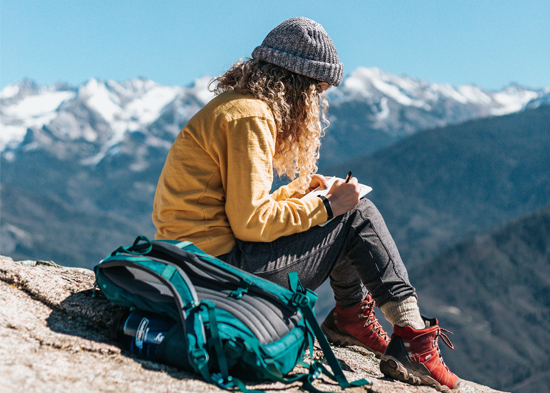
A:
x,y
356,326
413,357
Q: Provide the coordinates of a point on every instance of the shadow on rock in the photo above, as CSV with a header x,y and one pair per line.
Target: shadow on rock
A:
x,y
89,315
85,315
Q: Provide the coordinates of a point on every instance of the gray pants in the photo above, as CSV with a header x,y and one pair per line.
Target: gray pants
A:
x,y
355,250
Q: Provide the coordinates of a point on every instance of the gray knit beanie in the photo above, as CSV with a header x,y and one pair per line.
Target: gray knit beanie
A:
x,y
302,46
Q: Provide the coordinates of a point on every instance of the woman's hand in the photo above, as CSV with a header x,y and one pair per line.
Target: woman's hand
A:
x,y
344,196
317,180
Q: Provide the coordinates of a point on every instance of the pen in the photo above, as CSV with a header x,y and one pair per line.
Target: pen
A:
x,y
348,177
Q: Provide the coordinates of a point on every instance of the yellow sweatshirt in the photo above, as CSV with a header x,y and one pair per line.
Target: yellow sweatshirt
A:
x,y
216,180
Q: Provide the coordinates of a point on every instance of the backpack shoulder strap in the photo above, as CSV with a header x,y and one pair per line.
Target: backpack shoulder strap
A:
x,y
301,300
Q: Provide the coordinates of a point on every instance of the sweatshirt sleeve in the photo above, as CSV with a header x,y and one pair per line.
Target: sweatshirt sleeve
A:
x,y
287,191
247,173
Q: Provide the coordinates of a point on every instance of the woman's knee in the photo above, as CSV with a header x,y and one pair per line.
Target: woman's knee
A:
x,y
365,203
367,208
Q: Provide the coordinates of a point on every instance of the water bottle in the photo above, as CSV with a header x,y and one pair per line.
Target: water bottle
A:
x,y
141,332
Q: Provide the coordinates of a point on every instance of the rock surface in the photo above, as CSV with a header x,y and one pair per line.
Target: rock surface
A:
x,y
55,338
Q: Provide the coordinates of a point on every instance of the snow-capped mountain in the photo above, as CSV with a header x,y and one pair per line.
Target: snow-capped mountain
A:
x,y
373,109
374,84
400,105
94,116
92,120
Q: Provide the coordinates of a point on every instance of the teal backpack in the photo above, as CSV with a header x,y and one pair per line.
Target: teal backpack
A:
x,y
229,324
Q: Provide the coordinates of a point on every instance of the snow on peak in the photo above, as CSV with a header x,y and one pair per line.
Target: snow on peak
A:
x,y
35,108
542,99
17,90
127,106
100,99
373,82
513,99
9,91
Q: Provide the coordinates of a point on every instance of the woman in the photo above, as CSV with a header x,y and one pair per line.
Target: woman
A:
x,y
214,190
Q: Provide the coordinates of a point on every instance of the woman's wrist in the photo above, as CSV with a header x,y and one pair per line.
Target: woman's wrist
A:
x,y
326,202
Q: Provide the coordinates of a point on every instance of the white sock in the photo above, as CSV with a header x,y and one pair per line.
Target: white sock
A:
x,y
403,313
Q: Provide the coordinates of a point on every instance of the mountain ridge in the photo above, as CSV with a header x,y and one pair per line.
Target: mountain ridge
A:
x,y
97,115
443,185
493,292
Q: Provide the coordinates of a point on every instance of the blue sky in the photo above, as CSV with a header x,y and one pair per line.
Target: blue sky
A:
x,y
483,42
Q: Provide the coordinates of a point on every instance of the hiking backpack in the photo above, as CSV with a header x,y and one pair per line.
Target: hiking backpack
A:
x,y
229,324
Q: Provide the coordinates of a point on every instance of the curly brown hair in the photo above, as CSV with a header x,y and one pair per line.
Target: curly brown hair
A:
x,y
298,105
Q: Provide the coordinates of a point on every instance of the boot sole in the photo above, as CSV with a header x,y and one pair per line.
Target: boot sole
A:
x,y
393,368
344,339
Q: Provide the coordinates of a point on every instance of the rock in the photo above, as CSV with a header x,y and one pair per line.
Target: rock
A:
x,y
55,337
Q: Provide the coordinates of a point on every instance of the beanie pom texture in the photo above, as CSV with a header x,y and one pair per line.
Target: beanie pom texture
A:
x,y
301,45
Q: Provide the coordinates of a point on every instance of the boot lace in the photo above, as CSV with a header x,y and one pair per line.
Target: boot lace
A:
x,y
440,333
367,308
